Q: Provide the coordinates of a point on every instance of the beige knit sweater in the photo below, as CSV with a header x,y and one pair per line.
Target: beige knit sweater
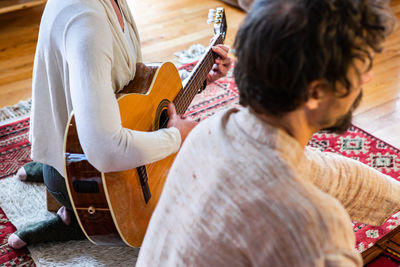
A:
x,y
243,193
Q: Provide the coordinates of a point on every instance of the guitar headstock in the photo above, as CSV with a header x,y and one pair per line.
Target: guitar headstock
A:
x,y
218,17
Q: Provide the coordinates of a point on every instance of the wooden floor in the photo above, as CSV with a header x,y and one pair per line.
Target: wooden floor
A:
x,y
13,5
167,26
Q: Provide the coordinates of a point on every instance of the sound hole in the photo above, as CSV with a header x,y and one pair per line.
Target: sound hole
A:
x,y
163,119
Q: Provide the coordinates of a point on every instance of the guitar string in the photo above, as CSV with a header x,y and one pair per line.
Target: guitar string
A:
x,y
191,86
204,69
194,84
180,101
210,62
197,84
184,100
201,68
186,95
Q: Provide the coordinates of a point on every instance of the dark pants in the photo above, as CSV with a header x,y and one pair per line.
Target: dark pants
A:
x,y
56,185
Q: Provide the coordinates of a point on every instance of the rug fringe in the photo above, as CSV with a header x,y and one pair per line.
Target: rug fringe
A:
x,y
16,112
194,53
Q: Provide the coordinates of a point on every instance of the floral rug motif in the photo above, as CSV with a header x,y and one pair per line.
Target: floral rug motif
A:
x,y
362,146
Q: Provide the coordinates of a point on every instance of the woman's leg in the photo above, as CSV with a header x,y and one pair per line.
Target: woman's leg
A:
x,y
31,172
56,185
63,227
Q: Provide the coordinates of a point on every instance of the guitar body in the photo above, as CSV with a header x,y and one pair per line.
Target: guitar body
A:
x,y
111,207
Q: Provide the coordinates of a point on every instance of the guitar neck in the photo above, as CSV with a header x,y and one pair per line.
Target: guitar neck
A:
x,y
197,78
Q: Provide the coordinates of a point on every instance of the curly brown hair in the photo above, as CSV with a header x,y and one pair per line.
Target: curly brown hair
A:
x,y
284,45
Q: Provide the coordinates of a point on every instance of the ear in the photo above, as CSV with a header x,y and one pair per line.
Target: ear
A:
x,y
316,94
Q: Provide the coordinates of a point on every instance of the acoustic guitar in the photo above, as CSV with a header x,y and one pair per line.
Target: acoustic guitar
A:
x,y
115,208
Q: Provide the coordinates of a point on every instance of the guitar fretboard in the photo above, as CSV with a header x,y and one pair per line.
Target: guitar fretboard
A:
x,y
196,78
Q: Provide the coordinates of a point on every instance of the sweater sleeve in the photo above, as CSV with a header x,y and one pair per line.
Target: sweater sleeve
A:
x,y
88,46
368,195
342,258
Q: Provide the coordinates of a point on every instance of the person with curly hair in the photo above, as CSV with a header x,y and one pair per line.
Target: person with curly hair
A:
x,y
257,195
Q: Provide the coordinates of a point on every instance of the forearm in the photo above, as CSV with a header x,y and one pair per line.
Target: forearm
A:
x,y
368,195
107,145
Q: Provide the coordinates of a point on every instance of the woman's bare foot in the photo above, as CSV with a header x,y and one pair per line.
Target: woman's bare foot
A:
x,y
15,242
65,215
31,172
63,227
21,174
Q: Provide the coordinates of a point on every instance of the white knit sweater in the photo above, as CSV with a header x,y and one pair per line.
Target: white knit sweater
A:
x,y
244,193
82,58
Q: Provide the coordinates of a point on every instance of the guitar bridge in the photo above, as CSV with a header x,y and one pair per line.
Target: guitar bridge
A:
x,y
144,183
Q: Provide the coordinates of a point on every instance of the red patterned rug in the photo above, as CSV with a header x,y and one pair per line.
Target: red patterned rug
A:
x,y
14,152
355,143
14,146
362,146
8,256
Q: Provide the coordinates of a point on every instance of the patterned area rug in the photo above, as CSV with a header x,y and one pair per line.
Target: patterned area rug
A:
x,y
362,146
14,152
8,256
14,146
13,113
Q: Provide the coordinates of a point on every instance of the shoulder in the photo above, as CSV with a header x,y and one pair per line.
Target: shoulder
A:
x,y
210,137
80,26
218,120
77,5
209,132
55,8
216,128
59,15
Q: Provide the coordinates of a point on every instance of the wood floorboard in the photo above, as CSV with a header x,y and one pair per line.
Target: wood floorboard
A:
x,y
13,5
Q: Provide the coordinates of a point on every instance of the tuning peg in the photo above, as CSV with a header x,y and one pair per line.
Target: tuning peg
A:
x,y
211,13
